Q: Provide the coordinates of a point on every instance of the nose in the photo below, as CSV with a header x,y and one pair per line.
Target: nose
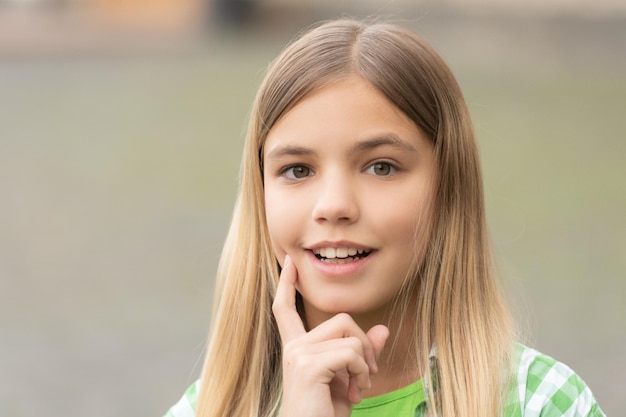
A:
x,y
336,201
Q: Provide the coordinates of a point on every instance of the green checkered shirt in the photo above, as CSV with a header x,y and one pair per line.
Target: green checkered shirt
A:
x,y
543,388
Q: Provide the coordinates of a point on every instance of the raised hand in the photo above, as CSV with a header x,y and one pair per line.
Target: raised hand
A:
x,y
325,369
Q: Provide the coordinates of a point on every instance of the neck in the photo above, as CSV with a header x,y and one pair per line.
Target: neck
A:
x,y
398,364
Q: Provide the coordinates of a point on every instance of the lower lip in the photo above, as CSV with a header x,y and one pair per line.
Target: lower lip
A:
x,y
339,270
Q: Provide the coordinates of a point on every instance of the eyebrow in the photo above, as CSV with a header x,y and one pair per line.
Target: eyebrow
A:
x,y
365,145
288,150
385,140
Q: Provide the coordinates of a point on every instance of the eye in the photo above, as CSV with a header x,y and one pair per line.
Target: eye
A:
x,y
381,169
296,172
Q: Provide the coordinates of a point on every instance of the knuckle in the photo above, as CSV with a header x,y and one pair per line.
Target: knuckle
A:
x,y
278,309
347,354
344,319
354,343
275,307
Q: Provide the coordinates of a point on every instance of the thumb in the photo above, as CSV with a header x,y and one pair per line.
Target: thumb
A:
x,y
378,336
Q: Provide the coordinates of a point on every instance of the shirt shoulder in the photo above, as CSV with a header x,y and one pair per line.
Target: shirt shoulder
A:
x,y
186,406
548,388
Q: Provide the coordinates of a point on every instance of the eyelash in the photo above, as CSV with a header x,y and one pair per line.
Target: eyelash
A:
x,y
288,171
393,169
285,172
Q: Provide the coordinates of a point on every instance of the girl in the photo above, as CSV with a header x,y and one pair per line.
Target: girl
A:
x,y
356,278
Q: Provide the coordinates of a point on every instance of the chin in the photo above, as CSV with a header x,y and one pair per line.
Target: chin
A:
x,y
333,307
328,306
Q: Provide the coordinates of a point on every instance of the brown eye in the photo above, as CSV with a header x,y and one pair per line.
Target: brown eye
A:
x,y
297,172
381,169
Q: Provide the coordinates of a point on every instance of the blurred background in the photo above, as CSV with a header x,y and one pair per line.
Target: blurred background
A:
x,y
121,126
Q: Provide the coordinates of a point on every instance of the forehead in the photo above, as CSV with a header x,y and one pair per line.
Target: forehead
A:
x,y
348,110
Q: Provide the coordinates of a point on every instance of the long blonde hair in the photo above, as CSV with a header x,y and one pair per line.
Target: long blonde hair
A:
x,y
459,308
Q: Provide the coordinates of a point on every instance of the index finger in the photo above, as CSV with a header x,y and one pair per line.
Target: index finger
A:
x,y
289,322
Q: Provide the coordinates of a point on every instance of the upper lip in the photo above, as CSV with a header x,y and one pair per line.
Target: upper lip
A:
x,y
338,244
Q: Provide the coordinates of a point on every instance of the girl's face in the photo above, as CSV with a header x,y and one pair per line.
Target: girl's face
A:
x,y
347,182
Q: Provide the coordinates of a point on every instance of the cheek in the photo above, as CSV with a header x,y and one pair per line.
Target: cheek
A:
x,y
281,221
408,206
407,222
403,226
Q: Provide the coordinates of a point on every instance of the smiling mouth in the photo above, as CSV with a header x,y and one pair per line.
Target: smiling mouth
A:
x,y
340,255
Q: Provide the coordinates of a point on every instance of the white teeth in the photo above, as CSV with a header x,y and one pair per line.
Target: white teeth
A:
x,y
339,253
338,260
